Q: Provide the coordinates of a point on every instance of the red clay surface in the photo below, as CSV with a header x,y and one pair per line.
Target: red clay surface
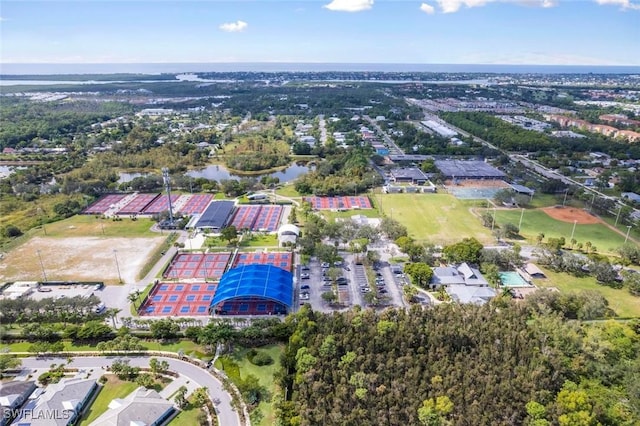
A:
x,y
197,265
570,214
326,203
196,204
104,204
282,260
179,299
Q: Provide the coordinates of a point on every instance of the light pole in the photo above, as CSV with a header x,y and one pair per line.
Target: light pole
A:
x,y
592,200
573,230
566,191
627,236
493,222
115,255
44,274
618,215
520,223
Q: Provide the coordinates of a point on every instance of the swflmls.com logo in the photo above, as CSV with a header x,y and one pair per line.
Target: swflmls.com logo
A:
x,y
29,414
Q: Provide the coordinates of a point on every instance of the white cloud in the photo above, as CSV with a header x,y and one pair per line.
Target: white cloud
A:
x,y
624,4
234,27
349,5
427,8
451,6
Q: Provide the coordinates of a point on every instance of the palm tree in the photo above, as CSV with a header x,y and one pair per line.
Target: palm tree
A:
x,y
133,298
112,313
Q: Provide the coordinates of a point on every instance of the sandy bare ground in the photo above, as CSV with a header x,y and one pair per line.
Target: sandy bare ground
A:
x,y
82,259
570,214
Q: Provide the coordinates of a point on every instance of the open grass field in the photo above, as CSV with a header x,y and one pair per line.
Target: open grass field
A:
x,y
263,373
259,240
112,389
90,226
437,218
287,190
78,259
536,221
624,304
331,216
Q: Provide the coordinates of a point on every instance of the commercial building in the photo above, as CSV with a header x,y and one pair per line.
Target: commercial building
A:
x,y
474,169
216,215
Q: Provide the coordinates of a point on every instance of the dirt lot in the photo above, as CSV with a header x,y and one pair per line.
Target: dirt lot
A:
x,y
569,214
82,258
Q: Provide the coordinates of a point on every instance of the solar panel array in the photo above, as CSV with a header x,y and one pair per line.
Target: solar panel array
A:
x,y
160,204
335,203
196,204
138,204
104,204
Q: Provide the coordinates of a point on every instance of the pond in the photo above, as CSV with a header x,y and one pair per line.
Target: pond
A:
x,y
218,172
128,177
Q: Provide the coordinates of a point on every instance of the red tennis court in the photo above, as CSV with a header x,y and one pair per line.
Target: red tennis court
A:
x,y
196,204
245,217
160,204
197,265
282,260
138,204
179,299
104,204
335,203
268,219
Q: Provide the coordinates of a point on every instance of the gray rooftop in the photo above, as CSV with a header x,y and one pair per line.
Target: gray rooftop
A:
x,y
462,275
216,215
408,173
61,401
468,169
142,406
471,294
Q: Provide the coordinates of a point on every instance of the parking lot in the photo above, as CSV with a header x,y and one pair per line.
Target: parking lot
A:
x,y
314,279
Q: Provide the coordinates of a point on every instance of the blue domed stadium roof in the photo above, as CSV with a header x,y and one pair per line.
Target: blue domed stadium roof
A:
x,y
264,281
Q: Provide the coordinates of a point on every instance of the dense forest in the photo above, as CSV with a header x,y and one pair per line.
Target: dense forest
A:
x,y
512,138
343,173
22,121
502,363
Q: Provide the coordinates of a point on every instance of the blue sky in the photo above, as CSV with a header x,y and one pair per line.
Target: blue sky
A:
x,y
545,32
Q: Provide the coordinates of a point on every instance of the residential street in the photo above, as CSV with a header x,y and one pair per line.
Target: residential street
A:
x,y
190,372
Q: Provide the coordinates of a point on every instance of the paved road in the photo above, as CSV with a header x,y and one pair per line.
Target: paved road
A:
x,y
393,148
323,129
226,414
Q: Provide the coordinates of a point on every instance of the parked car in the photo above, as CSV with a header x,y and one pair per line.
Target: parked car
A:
x,y
304,267
305,287
304,276
325,265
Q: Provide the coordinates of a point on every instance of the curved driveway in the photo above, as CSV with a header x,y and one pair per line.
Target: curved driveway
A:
x,y
226,414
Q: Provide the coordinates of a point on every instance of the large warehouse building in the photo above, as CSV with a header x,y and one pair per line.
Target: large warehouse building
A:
x,y
459,169
215,217
254,290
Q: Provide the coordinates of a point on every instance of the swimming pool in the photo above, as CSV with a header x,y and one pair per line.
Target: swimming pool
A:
x,y
513,279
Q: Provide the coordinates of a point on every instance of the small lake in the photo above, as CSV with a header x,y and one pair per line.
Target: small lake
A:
x,y
218,172
128,177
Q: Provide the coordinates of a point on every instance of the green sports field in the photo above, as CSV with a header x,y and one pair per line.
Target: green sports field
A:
x,y
535,221
436,218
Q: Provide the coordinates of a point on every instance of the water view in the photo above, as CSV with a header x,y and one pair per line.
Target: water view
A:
x,y
218,172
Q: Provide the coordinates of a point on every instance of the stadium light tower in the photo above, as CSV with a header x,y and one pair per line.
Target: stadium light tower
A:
x,y
167,184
